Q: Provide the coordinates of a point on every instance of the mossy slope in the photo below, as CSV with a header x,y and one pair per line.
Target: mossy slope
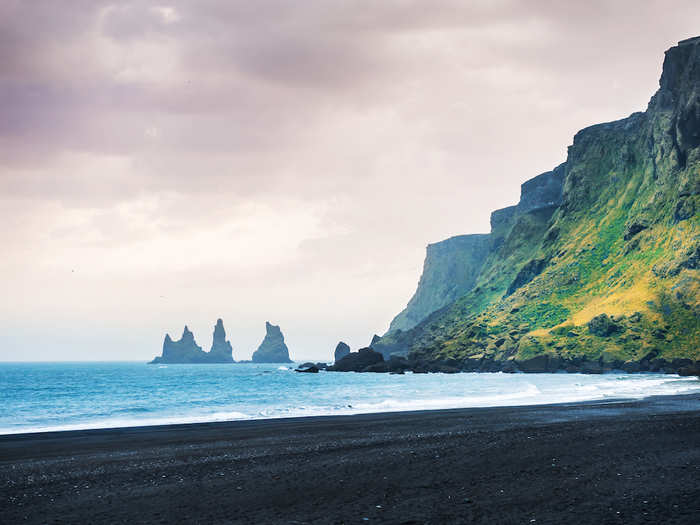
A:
x,y
622,248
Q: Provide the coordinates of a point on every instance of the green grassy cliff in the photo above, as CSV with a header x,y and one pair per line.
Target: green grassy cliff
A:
x,y
606,276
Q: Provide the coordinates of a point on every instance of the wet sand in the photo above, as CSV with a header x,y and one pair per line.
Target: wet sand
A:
x,y
615,462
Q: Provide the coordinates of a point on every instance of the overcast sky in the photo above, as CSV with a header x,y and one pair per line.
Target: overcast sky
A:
x,y
164,164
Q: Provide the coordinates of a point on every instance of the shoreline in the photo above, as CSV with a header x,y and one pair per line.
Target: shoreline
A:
x,y
233,416
617,461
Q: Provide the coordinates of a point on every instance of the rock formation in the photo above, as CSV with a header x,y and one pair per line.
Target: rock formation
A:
x,y
186,350
452,266
595,268
341,351
220,347
357,361
272,349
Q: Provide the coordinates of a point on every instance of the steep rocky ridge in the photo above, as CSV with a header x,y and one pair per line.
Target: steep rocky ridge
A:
x,y
621,240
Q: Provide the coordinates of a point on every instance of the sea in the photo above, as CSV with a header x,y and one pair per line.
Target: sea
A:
x,y
36,397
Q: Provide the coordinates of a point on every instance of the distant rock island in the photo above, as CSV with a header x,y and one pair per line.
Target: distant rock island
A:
x,y
186,350
272,349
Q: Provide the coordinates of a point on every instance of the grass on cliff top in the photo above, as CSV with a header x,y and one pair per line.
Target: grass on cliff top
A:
x,y
593,269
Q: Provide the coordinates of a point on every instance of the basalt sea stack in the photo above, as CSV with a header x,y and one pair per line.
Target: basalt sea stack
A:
x,y
186,350
272,349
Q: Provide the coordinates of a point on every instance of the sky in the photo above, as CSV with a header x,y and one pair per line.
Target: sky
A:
x,y
164,164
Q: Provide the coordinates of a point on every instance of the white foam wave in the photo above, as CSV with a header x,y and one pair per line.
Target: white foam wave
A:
x,y
351,394
131,422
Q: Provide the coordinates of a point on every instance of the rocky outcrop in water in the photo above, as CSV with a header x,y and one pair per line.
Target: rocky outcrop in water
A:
x,y
186,350
357,361
341,351
220,347
272,349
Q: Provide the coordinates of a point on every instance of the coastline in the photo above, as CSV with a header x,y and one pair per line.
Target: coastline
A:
x,y
630,461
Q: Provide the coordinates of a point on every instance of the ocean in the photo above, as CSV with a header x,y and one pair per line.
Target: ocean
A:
x,y
66,396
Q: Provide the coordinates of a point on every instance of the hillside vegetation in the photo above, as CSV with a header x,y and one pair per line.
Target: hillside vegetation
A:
x,y
605,275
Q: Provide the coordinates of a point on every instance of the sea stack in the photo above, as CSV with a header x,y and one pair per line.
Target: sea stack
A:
x,y
272,349
220,347
187,351
341,351
184,350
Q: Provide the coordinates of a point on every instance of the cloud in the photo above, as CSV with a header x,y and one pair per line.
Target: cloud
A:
x,y
280,159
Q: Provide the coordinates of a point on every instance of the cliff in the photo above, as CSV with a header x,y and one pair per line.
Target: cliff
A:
x,y
453,266
597,266
449,271
186,350
272,349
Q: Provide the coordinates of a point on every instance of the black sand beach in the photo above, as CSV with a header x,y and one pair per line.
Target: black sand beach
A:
x,y
623,462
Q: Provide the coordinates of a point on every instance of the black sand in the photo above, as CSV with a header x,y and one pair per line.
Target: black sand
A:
x,y
626,462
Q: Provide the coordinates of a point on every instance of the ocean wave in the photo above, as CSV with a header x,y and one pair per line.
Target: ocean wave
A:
x,y
111,396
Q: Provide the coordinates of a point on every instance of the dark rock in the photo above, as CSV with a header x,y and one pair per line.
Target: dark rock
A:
x,y
690,370
527,273
357,361
691,261
440,368
591,367
377,367
603,326
677,364
685,209
537,364
308,364
313,369
542,191
341,350
509,367
375,340
659,333
631,367
272,349
398,364
634,228
471,364
659,365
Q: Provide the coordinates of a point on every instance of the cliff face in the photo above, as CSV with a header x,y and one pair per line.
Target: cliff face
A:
x,y
618,246
186,350
272,349
450,270
453,266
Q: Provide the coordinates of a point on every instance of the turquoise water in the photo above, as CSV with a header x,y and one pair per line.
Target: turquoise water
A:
x,y
62,396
